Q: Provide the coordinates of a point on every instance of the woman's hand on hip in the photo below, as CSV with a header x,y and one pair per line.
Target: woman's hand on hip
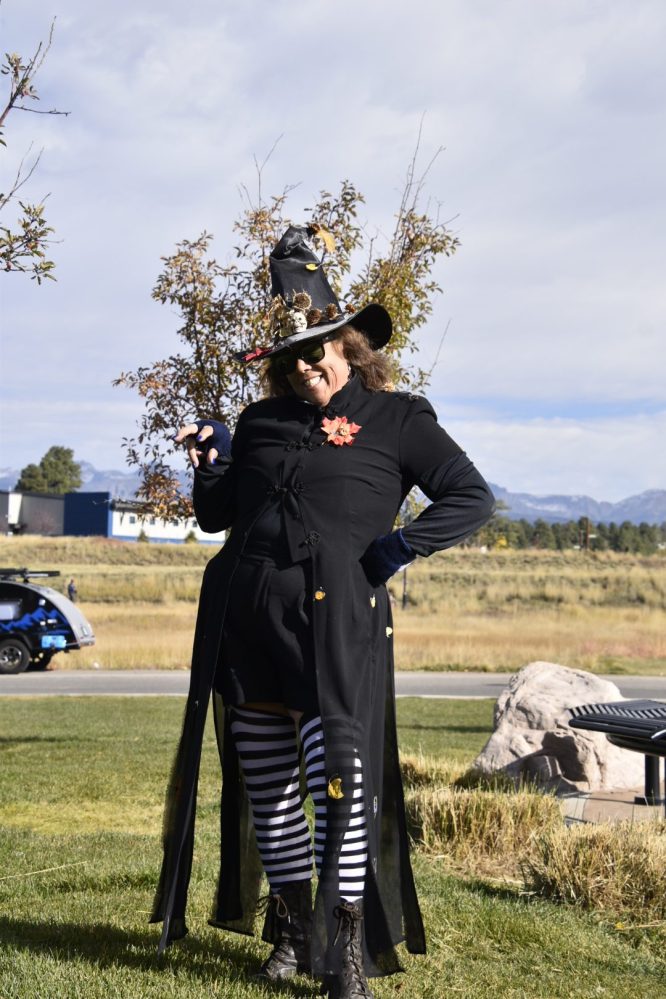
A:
x,y
207,439
384,556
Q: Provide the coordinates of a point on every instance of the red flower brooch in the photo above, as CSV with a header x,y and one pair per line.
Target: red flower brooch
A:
x,y
339,431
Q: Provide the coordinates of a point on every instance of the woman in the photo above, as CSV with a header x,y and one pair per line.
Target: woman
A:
x,y
294,636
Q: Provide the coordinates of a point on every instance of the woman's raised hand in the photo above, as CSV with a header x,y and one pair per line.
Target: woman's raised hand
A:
x,y
208,438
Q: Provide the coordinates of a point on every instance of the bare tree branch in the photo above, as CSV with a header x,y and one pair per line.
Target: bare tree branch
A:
x,y
435,362
19,181
20,107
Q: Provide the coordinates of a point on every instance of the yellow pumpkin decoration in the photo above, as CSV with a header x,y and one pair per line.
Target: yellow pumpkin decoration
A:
x,y
335,788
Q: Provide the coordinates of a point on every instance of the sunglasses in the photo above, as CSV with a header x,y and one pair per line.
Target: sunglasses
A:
x,y
285,364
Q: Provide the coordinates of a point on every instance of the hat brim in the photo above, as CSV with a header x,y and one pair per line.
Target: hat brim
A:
x,y
373,320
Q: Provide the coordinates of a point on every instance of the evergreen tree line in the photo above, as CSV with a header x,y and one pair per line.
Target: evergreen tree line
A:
x,y
502,532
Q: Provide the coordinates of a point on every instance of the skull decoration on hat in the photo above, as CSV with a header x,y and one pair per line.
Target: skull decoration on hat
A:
x,y
304,305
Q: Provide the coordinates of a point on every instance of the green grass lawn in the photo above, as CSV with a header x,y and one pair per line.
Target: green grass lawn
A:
x,y
81,788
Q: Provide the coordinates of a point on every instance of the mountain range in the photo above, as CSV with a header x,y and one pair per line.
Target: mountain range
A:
x,y
646,507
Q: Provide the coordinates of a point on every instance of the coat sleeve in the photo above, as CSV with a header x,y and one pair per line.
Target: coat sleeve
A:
x,y
461,501
213,496
214,492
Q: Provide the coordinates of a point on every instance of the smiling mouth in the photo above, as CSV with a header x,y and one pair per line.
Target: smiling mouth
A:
x,y
309,383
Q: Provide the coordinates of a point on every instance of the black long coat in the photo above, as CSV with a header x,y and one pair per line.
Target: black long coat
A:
x,y
334,500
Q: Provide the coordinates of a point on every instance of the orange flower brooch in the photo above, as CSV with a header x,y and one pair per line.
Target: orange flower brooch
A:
x,y
339,431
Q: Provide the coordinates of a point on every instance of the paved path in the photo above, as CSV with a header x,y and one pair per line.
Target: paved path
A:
x,y
175,682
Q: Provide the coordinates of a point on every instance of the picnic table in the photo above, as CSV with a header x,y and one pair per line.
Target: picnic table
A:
x,y
637,725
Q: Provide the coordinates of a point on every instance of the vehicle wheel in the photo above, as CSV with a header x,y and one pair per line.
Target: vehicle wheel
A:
x,y
41,660
14,656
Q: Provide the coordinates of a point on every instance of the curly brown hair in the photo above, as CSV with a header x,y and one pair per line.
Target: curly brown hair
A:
x,y
374,369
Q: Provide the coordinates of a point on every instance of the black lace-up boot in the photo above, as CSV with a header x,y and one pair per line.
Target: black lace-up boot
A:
x,y
351,982
291,909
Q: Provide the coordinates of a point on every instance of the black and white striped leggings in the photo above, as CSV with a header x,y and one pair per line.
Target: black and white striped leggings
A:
x,y
267,747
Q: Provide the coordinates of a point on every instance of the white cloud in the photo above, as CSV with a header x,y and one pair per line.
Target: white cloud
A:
x,y
608,459
552,116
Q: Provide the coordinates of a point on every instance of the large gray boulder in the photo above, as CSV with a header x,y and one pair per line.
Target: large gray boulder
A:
x,y
532,739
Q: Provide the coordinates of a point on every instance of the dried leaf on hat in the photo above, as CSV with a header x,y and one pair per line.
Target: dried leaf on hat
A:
x,y
324,235
278,314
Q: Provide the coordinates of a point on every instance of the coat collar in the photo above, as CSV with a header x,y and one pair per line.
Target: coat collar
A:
x,y
348,397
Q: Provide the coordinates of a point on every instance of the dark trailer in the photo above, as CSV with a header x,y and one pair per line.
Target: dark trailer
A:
x,y
36,622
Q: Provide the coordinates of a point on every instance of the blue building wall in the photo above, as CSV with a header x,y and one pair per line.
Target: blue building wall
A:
x,y
88,513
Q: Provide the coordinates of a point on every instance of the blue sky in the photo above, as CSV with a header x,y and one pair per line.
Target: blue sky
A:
x,y
552,115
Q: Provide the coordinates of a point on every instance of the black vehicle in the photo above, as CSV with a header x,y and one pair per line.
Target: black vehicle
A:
x,y
36,622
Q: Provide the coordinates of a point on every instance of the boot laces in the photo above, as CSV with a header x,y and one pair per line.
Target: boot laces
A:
x,y
281,907
350,916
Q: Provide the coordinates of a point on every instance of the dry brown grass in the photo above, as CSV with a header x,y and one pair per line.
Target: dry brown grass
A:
x,y
471,610
485,827
467,609
419,770
617,868
485,830
147,584
65,552
599,639
496,580
481,823
136,636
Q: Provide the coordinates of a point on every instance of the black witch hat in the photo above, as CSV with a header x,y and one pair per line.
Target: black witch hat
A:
x,y
304,305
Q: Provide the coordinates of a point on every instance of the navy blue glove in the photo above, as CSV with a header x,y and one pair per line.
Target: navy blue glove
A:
x,y
202,445
385,556
220,438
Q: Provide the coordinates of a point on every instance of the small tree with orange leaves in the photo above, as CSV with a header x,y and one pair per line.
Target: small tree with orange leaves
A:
x,y
223,308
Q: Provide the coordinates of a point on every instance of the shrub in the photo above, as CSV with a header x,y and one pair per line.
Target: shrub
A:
x,y
419,770
478,826
619,868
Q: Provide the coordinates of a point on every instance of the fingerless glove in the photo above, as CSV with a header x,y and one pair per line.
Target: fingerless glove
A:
x,y
385,556
220,438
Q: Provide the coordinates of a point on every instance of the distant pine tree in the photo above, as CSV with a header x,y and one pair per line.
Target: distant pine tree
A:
x,y
57,472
